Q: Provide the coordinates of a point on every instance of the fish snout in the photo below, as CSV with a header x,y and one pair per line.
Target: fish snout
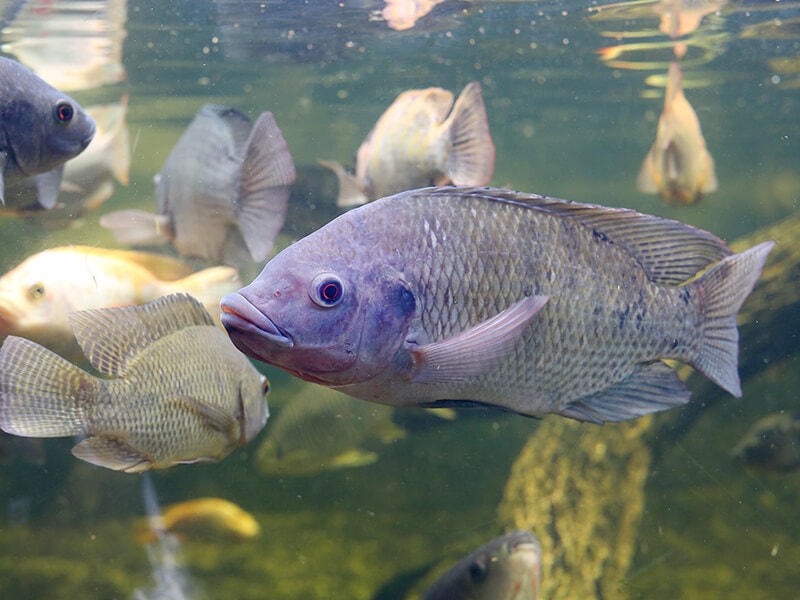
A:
x,y
247,326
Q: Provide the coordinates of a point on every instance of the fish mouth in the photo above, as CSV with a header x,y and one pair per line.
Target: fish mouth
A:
x,y
242,321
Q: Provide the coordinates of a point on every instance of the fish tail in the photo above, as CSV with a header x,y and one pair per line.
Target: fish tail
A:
x,y
724,289
350,191
208,286
266,173
42,394
471,157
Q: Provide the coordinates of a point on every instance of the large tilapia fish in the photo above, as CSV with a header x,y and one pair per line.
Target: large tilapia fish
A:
x,y
173,388
449,296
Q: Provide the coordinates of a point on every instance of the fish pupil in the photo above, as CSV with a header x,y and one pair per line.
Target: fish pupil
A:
x,y
330,291
64,112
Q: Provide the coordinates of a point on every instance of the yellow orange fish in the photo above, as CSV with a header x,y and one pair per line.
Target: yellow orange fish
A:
x,y
416,143
202,518
678,165
37,296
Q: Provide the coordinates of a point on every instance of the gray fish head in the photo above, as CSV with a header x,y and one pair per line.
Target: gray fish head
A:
x,y
508,568
316,315
43,126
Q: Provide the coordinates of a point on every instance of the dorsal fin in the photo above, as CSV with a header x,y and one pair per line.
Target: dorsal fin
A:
x,y
669,251
110,337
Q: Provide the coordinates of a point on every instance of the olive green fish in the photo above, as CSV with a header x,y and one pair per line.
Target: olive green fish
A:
x,y
174,389
507,568
320,430
462,296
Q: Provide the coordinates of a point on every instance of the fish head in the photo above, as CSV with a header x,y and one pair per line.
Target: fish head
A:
x,y
253,407
30,299
316,313
508,567
43,127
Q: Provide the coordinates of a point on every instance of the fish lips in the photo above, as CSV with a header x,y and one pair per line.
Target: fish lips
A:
x,y
248,327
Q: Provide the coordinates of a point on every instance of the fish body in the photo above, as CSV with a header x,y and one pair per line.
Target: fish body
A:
x,y
417,143
173,388
41,127
460,296
678,165
37,296
772,444
320,430
222,194
203,518
507,568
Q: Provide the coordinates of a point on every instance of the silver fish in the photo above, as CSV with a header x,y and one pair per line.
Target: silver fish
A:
x,y
463,296
222,194
507,568
175,389
42,128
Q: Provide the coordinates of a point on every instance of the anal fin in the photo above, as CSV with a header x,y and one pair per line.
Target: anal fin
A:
x,y
112,453
652,387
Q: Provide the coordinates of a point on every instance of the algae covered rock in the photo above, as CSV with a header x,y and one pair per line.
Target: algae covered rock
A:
x,y
580,488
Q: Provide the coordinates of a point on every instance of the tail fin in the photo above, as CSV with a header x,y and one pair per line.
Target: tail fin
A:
x,y
351,192
267,172
724,288
471,159
42,394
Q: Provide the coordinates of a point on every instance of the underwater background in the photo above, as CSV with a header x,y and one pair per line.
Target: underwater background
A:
x,y
565,123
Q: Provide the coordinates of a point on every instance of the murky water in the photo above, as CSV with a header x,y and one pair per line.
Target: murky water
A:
x,y
567,121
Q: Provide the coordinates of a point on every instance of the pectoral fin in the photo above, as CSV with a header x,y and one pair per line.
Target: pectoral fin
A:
x,y
215,417
476,350
47,186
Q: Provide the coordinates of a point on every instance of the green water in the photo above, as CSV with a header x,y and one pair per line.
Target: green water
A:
x,y
564,124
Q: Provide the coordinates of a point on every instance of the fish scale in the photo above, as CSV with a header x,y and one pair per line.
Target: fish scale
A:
x,y
478,295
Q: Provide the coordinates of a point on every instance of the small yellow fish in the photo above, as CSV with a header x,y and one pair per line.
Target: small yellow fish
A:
x,y
416,143
173,388
678,166
37,296
203,518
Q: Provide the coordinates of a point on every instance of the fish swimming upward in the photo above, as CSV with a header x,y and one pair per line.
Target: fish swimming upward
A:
x,y
41,127
38,295
416,143
463,296
223,193
678,166
507,568
173,388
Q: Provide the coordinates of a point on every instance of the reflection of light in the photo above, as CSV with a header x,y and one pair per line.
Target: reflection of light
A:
x,y
73,45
